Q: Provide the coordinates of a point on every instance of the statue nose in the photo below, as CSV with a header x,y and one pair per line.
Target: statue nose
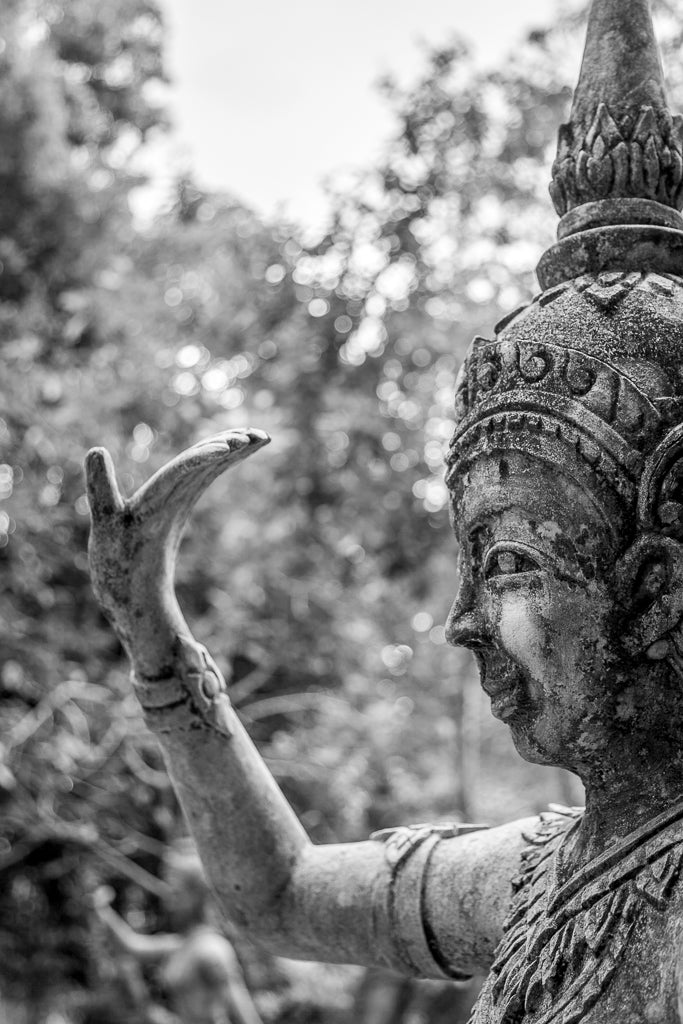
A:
x,y
465,627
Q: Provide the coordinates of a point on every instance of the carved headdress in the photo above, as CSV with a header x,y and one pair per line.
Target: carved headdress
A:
x,y
590,375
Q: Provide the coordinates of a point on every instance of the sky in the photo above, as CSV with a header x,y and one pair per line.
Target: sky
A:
x,y
270,98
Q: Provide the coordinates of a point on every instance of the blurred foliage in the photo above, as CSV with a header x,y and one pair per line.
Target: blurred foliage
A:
x,y
320,575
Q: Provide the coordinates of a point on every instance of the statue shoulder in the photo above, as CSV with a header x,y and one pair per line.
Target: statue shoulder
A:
x,y
475,880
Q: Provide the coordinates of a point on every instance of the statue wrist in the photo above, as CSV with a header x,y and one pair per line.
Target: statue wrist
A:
x,y
190,693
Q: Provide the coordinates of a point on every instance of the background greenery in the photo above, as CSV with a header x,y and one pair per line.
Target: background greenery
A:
x,y
320,578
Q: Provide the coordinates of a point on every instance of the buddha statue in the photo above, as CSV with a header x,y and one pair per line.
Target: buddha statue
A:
x,y
566,478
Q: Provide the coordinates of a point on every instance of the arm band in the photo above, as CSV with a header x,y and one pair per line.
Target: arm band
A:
x,y
408,850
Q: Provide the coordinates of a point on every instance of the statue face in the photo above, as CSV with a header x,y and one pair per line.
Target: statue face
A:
x,y
536,606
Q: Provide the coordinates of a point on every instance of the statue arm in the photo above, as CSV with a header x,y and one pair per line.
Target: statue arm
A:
x,y
296,899
353,903
144,948
435,912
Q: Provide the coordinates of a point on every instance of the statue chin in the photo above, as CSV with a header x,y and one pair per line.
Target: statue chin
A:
x,y
539,733
532,749
527,727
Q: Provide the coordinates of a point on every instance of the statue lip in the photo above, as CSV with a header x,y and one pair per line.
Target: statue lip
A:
x,y
505,688
506,704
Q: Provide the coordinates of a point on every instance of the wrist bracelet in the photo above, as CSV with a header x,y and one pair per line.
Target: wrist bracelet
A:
x,y
196,683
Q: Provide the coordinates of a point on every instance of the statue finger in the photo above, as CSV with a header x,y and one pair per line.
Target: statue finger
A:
x,y
104,496
169,495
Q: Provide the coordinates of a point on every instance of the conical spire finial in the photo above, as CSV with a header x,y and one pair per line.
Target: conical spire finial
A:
x,y
620,157
621,63
621,141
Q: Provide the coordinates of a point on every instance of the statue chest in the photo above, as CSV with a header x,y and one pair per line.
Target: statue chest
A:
x,y
605,944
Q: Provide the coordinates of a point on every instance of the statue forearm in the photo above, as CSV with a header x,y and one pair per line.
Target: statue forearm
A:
x,y
248,836
417,904
344,903
295,898
424,907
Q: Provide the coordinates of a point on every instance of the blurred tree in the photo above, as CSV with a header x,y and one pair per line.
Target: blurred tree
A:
x,y
324,589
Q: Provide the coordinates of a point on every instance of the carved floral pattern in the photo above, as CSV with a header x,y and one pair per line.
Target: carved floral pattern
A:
x,y
639,157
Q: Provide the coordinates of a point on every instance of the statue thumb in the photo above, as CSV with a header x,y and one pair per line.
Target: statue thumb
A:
x,y
104,496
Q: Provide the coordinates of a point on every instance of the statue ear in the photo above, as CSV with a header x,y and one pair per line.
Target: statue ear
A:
x,y
660,499
650,585
650,574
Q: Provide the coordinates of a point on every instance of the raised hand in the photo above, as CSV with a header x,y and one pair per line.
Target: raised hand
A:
x,y
134,541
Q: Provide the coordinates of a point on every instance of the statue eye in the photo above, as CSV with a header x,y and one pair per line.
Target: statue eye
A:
x,y
508,562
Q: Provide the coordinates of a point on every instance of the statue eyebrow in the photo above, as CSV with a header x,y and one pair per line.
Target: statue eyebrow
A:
x,y
474,534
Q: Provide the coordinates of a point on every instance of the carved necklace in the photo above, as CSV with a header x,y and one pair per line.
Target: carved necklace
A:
x,y
563,941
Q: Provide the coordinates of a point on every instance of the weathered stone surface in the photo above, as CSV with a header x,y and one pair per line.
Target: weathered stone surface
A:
x,y
615,248
566,471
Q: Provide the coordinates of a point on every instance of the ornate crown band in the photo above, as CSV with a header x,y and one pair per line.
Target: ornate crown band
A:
x,y
528,386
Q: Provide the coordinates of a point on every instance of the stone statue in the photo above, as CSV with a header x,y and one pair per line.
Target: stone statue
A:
x,y
197,968
566,475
